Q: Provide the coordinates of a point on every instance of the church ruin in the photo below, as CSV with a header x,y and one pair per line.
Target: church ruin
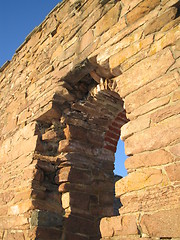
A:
x,y
94,70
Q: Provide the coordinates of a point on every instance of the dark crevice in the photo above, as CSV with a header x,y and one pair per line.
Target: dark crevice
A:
x,y
177,5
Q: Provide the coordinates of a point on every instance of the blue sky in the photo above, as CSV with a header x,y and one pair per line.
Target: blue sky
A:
x,y
120,159
17,19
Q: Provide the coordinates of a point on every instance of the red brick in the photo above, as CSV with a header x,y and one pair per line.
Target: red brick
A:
x,y
110,147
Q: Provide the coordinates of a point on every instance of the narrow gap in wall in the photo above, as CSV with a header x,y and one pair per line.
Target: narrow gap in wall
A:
x,y
120,157
119,172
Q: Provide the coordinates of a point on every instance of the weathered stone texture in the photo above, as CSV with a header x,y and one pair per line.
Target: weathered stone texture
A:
x,y
92,71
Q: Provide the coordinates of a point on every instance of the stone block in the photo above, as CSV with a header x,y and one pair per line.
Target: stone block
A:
x,y
3,211
128,5
139,180
20,222
12,235
154,137
176,96
57,52
20,208
118,226
144,72
46,219
173,172
103,57
66,200
163,224
49,135
18,151
168,39
164,113
154,158
175,149
157,23
120,57
70,174
146,200
150,106
141,9
108,20
165,85
86,40
134,126
1,234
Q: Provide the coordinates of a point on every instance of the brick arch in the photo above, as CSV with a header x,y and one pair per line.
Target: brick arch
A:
x,y
91,134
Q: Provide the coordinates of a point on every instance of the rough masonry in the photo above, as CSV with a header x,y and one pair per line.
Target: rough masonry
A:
x,y
94,70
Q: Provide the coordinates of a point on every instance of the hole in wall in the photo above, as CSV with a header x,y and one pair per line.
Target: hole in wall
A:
x,y
119,172
120,157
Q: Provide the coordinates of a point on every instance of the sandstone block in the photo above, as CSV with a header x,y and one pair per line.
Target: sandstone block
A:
x,y
49,135
140,180
175,150
14,236
66,200
120,57
176,96
128,5
18,151
144,72
154,137
118,226
146,200
47,112
103,57
63,175
173,172
57,52
150,106
20,222
86,40
4,211
20,208
134,59
141,9
1,234
108,20
162,223
176,48
158,88
155,158
70,174
168,39
136,125
23,116
164,113
156,24
119,26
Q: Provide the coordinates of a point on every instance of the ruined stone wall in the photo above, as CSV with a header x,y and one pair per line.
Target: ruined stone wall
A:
x,y
92,71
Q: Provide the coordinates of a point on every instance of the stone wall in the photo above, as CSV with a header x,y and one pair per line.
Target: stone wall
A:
x,y
92,71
